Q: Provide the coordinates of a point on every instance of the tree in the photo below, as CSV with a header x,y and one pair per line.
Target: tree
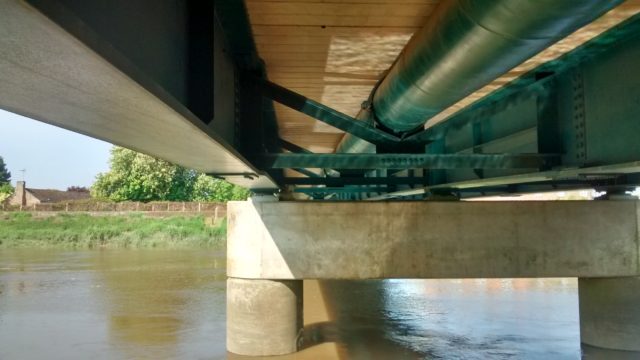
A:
x,y
207,188
5,182
5,192
138,177
5,175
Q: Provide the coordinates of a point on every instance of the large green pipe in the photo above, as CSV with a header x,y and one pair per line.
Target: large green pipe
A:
x,y
465,45
354,144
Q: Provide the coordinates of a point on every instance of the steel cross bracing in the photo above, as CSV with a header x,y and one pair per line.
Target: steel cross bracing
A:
x,y
337,119
199,95
570,123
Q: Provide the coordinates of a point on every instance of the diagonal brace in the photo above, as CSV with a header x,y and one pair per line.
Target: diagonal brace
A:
x,y
327,115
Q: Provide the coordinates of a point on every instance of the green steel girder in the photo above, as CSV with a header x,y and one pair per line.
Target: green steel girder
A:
x,y
537,81
406,161
350,180
585,106
346,123
582,107
602,176
310,175
604,183
622,184
340,190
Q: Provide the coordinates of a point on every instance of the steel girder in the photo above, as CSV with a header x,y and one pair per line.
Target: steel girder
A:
x,y
406,161
583,107
346,123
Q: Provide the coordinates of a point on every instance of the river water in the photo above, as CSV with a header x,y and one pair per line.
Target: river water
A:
x,y
166,304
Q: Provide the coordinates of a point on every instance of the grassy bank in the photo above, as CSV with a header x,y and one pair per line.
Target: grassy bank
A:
x,y
18,229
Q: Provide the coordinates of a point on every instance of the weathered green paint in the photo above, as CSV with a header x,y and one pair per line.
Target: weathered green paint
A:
x,y
406,161
468,43
569,109
344,122
586,99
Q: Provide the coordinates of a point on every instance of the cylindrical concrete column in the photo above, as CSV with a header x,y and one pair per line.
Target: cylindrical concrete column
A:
x,y
264,317
610,312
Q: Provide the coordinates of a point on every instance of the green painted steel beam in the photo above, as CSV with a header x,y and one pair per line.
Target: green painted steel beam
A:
x,y
406,161
310,175
582,105
346,123
342,181
505,190
340,190
590,175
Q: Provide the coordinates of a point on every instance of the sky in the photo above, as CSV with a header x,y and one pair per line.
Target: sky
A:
x,y
53,158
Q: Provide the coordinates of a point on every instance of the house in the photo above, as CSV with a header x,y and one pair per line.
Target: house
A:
x,y
25,196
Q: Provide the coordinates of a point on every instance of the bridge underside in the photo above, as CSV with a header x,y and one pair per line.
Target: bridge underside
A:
x,y
284,96
261,94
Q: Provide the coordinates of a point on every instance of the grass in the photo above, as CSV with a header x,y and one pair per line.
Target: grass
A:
x,y
20,229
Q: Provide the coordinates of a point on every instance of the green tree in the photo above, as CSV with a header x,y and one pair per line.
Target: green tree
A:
x,y
5,192
207,188
5,175
138,177
5,181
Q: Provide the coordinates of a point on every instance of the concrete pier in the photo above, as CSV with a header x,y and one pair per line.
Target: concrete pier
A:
x,y
609,313
361,240
264,317
286,242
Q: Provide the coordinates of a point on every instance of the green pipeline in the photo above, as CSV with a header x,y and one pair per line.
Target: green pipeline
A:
x,y
465,45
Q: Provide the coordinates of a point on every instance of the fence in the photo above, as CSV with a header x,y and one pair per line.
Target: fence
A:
x,y
218,210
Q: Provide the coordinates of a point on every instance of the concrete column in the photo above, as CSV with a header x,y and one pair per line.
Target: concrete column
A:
x,y
264,317
610,312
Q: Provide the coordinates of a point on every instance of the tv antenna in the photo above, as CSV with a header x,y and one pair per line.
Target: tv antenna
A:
x,y
23,171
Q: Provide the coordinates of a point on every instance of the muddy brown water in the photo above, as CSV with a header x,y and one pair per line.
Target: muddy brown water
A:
x,y
170,304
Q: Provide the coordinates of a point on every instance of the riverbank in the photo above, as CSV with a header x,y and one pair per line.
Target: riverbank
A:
x,y
129,230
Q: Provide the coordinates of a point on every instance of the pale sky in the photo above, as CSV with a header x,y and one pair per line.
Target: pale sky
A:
x,y
54,158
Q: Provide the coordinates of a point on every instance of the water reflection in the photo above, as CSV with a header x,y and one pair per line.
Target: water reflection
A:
x,y
155,300
170,304
136,324
496,318
361,314
112,304
425,319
